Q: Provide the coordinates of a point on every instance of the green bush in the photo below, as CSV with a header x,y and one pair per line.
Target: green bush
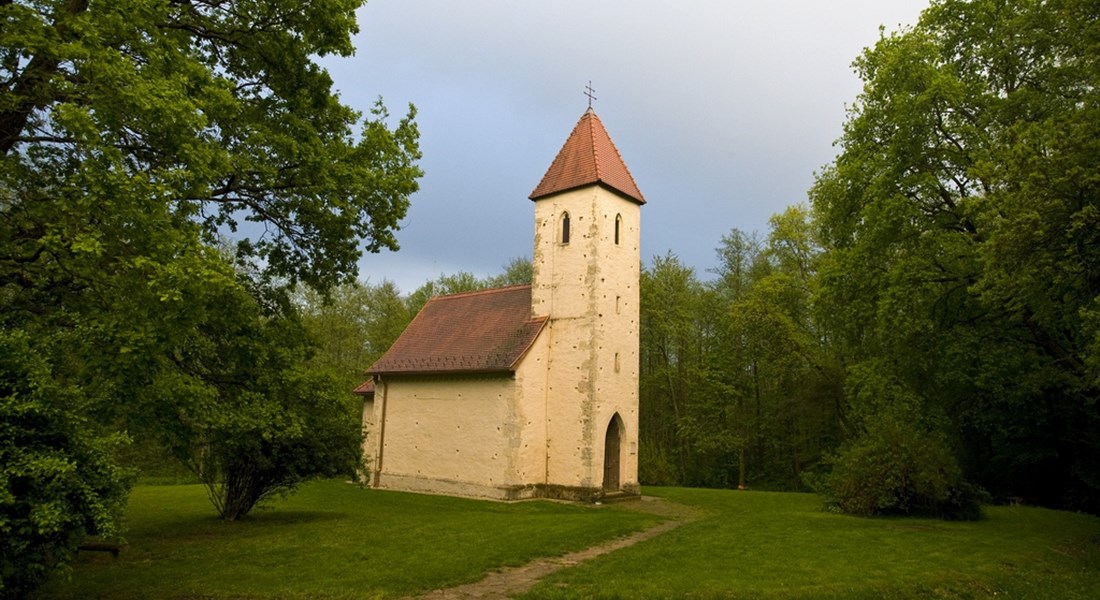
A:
x,y
895,468
58,479
257,423
296,431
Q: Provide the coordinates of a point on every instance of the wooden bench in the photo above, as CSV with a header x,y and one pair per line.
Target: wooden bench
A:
x,y
97,546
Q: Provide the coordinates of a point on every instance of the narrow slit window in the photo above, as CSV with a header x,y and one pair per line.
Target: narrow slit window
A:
x,y
618,226
565,228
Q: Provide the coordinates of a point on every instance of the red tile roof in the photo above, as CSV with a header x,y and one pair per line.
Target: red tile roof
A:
x,y
588,156
366,388
476,332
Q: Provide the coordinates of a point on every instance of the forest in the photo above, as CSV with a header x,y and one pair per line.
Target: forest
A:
x,y
918,336
934,314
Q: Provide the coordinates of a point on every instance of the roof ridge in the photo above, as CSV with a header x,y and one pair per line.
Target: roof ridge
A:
x,y
595,150
495,290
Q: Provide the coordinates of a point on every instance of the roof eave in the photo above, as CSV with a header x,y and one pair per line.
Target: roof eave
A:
x,y
508,371
625,195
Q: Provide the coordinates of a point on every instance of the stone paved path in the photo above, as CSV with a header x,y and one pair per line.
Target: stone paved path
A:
x,y
508,582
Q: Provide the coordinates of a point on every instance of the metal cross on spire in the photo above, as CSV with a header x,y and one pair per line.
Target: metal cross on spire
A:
x,y
591,93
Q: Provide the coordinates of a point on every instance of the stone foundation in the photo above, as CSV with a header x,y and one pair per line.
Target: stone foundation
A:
x,y
404,483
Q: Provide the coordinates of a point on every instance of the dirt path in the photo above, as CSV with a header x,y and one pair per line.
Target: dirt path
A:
x,y
516,580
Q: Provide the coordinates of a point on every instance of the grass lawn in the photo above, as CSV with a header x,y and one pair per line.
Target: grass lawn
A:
x,y
774,545
333,540
330,540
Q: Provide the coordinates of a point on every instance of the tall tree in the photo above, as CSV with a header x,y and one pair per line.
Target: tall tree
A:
x,y
133,134
774,369
353,326
961,225
214,111
670,370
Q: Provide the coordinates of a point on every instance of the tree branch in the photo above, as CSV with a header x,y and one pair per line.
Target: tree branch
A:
x,y
32,90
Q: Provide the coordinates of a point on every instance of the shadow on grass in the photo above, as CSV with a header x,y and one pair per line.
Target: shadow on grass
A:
x,y
290,517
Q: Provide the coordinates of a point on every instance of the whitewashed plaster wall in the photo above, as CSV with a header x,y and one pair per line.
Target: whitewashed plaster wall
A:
x,y
589,288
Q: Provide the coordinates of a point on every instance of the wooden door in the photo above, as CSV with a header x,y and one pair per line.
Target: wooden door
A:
x,y
611,452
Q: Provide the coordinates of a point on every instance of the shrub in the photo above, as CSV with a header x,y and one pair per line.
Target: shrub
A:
x,y
58,478
298,430
895,468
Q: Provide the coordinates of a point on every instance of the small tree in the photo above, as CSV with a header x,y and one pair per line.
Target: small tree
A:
x,y
240,406
299,430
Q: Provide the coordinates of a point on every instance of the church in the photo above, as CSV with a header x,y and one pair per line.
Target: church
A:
x,y
526,391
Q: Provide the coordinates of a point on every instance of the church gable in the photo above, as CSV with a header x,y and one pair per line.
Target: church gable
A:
x,y
477,332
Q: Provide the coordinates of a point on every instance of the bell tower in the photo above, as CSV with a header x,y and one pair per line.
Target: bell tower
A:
x,y
586,277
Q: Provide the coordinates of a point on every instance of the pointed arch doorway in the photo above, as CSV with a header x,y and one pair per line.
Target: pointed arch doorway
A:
x,y
612,455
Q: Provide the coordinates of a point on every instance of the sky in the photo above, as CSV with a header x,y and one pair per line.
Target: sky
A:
x,y
722,110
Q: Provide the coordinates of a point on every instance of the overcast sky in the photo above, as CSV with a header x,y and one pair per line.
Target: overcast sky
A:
x,y
722,111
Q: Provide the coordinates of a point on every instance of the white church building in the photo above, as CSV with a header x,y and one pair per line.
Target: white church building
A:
x,y
527,391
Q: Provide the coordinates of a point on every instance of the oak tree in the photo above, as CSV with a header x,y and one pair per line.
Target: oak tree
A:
x,y
961,221
133,136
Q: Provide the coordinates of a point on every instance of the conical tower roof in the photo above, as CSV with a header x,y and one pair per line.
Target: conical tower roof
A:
x,y
588,157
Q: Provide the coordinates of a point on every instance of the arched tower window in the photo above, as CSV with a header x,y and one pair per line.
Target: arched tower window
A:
x,y
565,228
618,226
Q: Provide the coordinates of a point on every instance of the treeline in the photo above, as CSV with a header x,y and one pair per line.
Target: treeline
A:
x,y
740,386
933,321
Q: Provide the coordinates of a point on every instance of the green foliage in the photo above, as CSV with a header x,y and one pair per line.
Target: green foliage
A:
x,y
294,428
655,466
776,358
133,134
517,271
670,369
895,468
960,227
239,406
353,326
152,463
216,110
739,383
58,481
